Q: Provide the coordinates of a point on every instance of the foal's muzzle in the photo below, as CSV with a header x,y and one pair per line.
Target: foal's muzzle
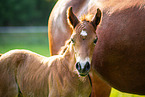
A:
x,y
83,69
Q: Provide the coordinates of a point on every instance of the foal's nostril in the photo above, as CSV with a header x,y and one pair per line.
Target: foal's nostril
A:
x,y
87,66
78,66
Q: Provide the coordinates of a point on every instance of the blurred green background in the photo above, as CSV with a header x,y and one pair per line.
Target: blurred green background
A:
x,y
23,25
25,12
36,42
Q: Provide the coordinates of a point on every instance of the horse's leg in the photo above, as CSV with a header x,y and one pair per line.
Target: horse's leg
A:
x,y
99,87
8,85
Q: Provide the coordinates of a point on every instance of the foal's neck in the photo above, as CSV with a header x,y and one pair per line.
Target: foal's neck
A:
x,y
69,57
69,60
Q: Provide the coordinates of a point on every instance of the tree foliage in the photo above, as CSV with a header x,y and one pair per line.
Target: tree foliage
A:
x,y
25,12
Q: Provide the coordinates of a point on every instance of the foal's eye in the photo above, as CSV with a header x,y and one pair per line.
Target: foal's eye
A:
x,y
72,40
95,40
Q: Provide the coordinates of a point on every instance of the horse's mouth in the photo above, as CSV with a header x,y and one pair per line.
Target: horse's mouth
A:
x,y
83,74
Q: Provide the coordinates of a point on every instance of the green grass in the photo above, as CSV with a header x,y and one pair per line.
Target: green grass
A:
x,y
116,93
37,42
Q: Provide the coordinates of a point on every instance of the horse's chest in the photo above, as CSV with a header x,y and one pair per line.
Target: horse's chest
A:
x,y
69,87
78,88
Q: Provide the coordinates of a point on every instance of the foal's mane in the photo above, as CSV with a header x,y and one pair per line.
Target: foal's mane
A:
x,y
87,17
64,48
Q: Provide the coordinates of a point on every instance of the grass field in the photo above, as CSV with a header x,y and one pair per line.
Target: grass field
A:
x,y
37,42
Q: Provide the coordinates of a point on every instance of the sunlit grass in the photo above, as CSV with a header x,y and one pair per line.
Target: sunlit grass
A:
x,y
116,93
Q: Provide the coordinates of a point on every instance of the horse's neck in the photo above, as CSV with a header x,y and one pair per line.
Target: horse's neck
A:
x,y
69,57
69,60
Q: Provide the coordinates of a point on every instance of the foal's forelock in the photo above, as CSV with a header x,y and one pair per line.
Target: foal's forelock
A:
x,y
84,25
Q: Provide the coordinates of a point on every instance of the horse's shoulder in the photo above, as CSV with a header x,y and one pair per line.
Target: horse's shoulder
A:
x,y
52,61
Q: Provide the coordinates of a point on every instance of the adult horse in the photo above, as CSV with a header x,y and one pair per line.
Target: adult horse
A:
x,y
119,55
26,73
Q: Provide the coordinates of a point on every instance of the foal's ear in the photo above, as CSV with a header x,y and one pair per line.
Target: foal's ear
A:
x,y
71,18
96,19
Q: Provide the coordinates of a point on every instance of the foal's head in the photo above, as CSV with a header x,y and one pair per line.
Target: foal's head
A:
x,y
84,39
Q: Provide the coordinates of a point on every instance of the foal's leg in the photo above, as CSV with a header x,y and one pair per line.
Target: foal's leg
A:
x,y
8,85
